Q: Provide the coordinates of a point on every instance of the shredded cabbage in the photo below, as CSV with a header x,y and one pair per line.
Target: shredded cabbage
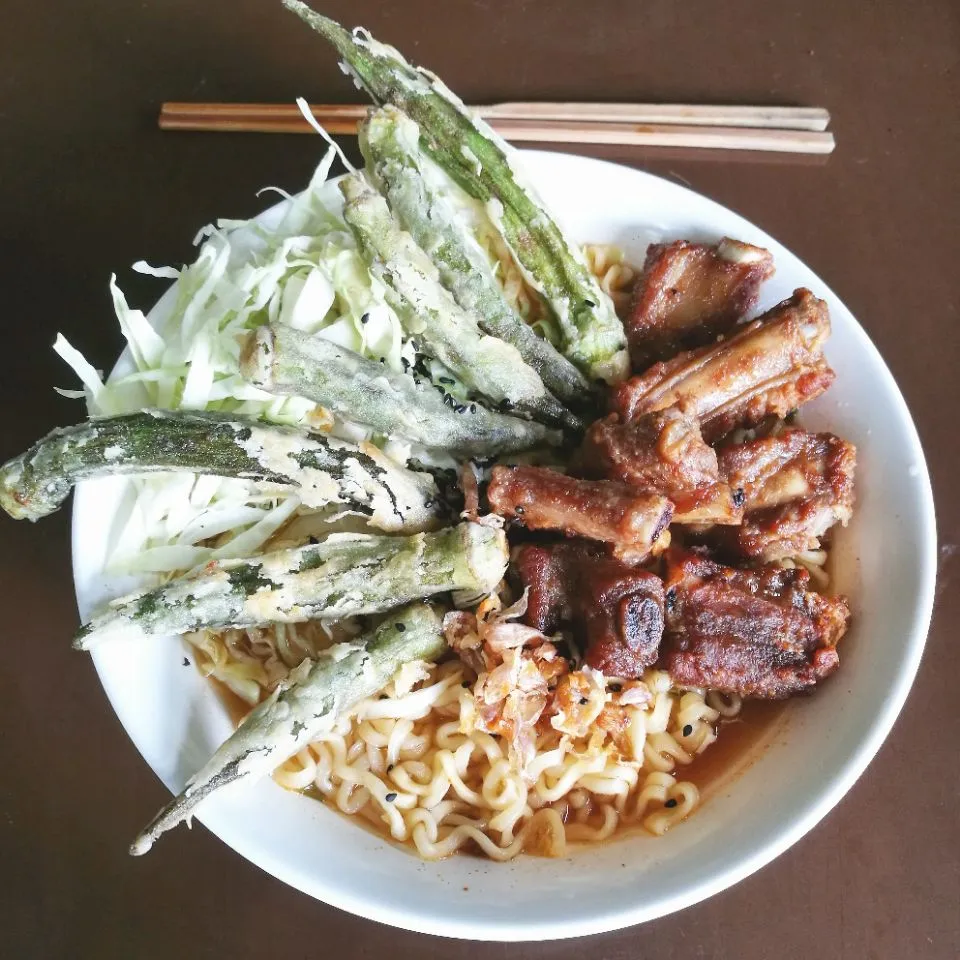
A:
x,y
299,266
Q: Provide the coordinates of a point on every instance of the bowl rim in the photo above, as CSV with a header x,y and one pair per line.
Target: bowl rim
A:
x,y
740,867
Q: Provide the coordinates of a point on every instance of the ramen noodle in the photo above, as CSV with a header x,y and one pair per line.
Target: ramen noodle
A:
x,y
412,762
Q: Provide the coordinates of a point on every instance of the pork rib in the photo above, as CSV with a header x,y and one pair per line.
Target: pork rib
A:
x,y
663,451
614,611
691,293
756,633
543,499
796,486
771,366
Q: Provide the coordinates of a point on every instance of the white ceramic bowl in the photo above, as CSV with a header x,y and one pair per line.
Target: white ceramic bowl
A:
x,y
887,562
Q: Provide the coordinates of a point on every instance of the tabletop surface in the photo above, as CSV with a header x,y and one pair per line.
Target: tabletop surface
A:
x,y
88,185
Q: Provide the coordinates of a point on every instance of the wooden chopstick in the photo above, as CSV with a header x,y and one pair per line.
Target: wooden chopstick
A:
x,y
775,118
688,114
778,129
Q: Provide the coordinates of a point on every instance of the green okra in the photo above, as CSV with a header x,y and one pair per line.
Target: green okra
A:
x,y
479,161
345,575
487,365
283,360
304,706
320,470
389,141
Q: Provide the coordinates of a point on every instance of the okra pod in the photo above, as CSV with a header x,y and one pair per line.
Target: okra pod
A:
x,y
304,706
487,365
479,161
390,143
283,360
321,470
345,575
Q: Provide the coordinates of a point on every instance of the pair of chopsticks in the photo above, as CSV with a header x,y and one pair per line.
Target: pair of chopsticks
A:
x,y
777,129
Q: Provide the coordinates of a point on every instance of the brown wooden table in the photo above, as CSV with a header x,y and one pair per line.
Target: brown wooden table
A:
x,y
88,185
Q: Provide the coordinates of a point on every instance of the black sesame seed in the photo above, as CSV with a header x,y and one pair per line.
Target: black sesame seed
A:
x,y
390,797
447,380
389,767
616,687
401,627
671,598
518,511
583,700
383,359
473,408
688,729
738,497
589,303
186,662
365,318
670,804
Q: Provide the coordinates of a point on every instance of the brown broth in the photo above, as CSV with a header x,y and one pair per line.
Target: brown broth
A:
x,y
237,708
740,742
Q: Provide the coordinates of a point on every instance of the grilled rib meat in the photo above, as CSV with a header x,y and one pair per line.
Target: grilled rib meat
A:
x,y
543,499
771,366
756,633
548,572
662,451
690,293
621,613
615,611
796,486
